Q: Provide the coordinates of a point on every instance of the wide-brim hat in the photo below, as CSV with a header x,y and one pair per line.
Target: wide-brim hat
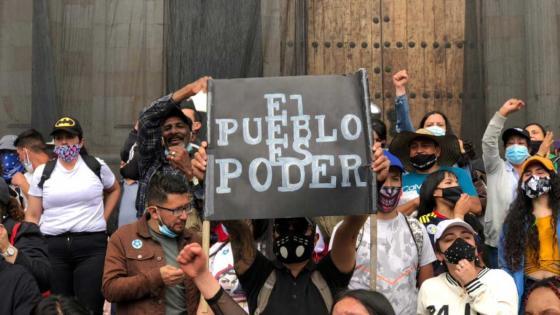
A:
x,y
448,144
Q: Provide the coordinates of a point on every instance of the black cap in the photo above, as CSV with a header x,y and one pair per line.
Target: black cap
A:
x,y
516,131
175,111
68,124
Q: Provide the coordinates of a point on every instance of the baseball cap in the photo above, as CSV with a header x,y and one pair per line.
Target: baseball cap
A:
x,y
516,131
175,111
547,163
444,225
395,162
4,192
68,124
7,142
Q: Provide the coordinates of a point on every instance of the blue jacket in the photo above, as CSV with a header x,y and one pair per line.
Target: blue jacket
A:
x,y
518,275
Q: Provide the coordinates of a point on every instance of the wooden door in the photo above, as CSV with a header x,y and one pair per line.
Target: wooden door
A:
x,y
426,37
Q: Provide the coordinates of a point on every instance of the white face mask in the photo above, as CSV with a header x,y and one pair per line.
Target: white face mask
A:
x,y
27,163
436,130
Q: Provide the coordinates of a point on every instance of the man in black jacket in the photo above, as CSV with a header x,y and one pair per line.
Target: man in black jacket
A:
x,y
21,243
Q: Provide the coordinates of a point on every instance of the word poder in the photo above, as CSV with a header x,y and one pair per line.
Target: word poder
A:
x,y
288,146
282,131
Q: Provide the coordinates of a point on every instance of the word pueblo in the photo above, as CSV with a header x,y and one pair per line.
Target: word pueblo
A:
x,y
294,134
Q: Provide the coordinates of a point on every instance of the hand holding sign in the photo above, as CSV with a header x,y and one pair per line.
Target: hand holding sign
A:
x,y
199,161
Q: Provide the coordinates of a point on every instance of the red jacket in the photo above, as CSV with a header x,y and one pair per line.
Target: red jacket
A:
x,y
132,278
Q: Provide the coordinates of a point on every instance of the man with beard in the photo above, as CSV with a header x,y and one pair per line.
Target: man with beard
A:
x,y
293,284
141,273
163,137
404,252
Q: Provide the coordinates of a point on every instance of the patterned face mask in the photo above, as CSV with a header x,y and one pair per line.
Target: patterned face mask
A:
x,y
388,198
67,153
460,250
535,186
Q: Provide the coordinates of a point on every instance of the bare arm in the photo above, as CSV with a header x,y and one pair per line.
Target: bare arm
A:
x,y
111,200
343,252
425,273
409,207
34,209
242,245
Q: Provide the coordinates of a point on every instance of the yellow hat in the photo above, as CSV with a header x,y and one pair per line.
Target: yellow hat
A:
x,y
547,163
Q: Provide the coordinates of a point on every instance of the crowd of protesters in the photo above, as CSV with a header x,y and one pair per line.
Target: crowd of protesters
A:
x,y
456,233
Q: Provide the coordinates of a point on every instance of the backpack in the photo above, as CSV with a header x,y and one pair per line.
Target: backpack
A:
x,y
316,278
416,230
90,161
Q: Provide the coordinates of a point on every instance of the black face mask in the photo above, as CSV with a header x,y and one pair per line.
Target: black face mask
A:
x,y
535,146
294,247
460,250
451,194
423,162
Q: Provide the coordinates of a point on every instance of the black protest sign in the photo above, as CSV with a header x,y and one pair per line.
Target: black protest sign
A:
x,y
289,147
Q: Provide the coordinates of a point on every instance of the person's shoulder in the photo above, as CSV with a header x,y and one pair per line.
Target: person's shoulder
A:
x,y
456,170
495,274
426,218
126,231
434,283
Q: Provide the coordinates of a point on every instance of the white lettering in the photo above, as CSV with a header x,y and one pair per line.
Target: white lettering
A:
x,y
226,174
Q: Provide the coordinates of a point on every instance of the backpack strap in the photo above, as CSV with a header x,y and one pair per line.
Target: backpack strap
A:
x,y
93,165
319,282
264,294
47,171
415,228
15,230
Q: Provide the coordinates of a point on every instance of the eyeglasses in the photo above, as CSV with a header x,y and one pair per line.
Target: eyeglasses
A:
x,y
178,211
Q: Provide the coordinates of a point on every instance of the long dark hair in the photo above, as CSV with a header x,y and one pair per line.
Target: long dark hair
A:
x,y
427,200
374,302
448,129
520,230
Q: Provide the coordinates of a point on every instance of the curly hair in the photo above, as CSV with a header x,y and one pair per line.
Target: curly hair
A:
x,y
12,209
520,230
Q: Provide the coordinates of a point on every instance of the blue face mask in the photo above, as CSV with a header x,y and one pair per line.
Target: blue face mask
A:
x,y
436,131
165,230
517,154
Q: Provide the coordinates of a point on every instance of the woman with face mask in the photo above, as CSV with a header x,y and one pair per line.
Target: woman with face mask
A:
x,y
466,287
529,248
441,198
73,197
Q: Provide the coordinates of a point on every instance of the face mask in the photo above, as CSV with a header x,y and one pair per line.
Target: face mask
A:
x,y
423,162
68,153
10,166
460,250
294,247
436,131
516,154
27,163
388,199
165,230
535,186
451,194
535,146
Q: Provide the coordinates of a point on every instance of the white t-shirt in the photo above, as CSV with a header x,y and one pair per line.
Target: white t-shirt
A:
x,y
493,292
397,262
72,199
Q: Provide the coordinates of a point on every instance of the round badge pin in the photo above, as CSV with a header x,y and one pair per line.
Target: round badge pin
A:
x,y
431,228
137,244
